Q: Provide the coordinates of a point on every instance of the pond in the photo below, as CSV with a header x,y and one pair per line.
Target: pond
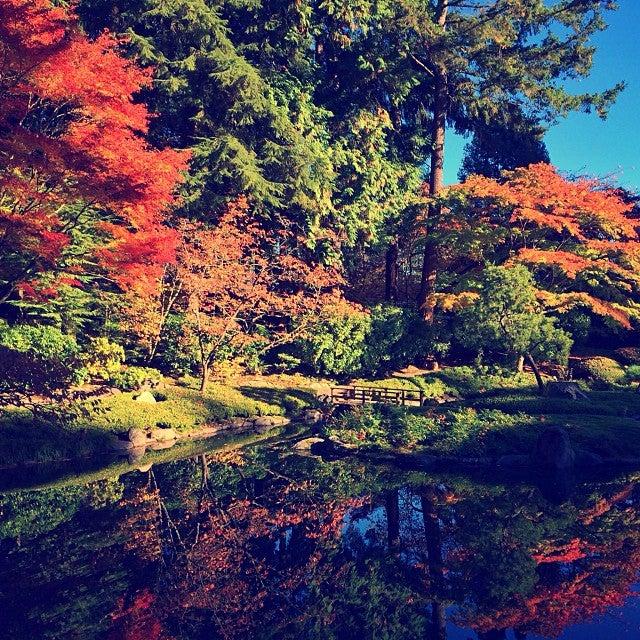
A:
x,y
264,544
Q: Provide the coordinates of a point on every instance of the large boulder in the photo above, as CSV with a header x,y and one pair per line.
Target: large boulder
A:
x,y
159,446
312,416
308,444
565,389
137,437
136,454
146,397
265,423
120,446
553,450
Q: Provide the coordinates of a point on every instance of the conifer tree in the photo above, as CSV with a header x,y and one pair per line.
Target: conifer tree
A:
x,y
481,58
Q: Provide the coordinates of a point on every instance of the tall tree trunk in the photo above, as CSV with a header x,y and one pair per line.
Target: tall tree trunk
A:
x,y
536,373
393,518
204,376
436,181
391,272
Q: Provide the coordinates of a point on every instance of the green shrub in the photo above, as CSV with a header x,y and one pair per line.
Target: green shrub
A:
x,y
387,338
603,371
471,381
381,426
632,374
406,429
134,378
337,345
397,337
103,359
359,425
507,318
38,361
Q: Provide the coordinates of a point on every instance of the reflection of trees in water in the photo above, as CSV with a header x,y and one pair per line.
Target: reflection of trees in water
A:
x,y
225,547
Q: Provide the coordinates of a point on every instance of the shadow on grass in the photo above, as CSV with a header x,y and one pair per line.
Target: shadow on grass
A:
x,y
25,440
290,399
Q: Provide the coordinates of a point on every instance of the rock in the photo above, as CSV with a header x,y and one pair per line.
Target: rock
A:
x,y
307,444
565,389
146,397
445,398
264,423
553,450
202,432
512,461
136,454
120,446
341,447
159,446
312,416
431,364
163,435
137,437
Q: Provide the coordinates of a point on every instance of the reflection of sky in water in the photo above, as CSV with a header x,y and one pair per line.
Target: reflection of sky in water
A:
x,y
618,624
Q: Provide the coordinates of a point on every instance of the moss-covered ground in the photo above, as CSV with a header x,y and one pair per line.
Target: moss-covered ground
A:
x,y
182,407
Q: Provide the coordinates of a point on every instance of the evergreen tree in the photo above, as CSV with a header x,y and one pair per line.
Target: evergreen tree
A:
x,y
503,145
479,59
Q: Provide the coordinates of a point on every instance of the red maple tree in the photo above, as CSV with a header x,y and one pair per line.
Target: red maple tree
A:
x,y
72,141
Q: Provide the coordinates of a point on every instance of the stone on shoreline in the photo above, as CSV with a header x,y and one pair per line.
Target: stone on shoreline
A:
x,y
164,435
553,450
312,416
137,437
307,444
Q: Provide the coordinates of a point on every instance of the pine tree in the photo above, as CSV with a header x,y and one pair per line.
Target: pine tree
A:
x,y
479,59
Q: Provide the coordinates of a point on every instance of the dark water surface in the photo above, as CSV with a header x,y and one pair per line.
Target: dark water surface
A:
x,y
266,544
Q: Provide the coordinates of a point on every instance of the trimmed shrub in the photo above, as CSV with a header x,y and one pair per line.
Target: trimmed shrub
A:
x,y
134,378
632,373
338,344
603,371
38,361
358,343
102,358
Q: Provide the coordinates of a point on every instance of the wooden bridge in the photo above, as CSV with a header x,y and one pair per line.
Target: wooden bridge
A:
x,y
377,395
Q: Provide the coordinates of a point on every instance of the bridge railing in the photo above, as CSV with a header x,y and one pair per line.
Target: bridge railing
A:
x,y
365,395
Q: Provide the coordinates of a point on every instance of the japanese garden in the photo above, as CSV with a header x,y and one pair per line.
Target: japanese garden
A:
x,y
319,319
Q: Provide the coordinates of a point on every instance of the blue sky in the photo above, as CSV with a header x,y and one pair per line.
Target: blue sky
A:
x,y
584,143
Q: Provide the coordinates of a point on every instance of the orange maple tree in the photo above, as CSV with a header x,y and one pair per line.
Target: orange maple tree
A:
x,y
579,236
242,286
72,147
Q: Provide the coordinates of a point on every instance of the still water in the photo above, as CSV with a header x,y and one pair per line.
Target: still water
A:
x,y
266,544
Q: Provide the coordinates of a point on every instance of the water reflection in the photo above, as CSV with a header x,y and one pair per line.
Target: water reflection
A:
x,y
268,545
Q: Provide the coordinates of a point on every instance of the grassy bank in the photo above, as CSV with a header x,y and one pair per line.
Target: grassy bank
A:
x,y
487,414
495,415
181,407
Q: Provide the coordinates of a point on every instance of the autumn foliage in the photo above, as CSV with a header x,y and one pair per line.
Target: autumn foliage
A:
x,y
72,147
579,236
238,280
